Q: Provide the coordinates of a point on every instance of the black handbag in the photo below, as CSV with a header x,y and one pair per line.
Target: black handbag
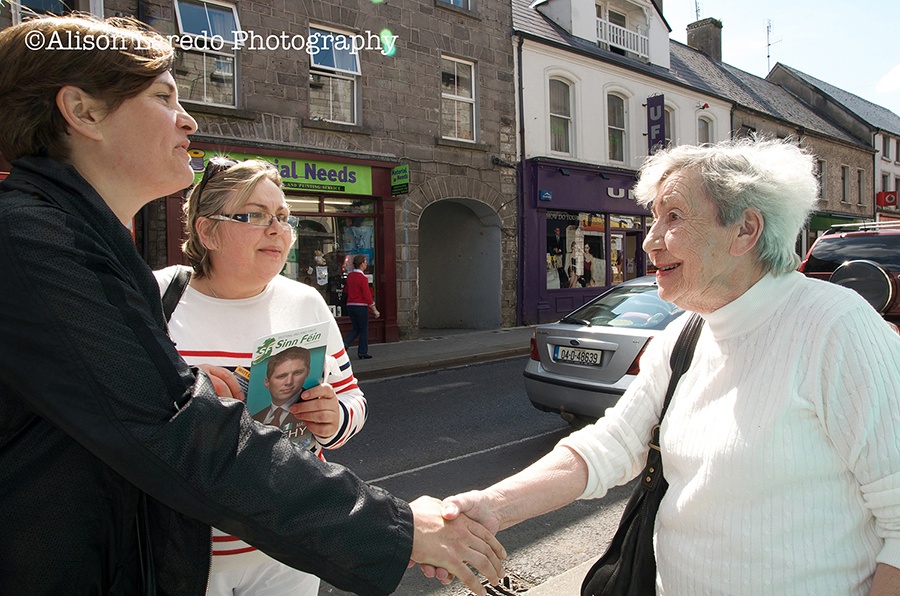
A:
x,y
628,567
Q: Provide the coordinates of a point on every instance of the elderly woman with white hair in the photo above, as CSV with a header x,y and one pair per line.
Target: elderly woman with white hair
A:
x,y
782,441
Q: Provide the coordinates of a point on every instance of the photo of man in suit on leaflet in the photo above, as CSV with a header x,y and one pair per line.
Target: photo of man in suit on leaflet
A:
x,y
286,372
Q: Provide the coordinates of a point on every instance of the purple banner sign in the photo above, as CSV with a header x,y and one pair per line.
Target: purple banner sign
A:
x,y
656,123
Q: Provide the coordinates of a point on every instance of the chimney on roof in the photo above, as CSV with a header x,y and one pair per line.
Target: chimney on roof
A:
x,y
706,35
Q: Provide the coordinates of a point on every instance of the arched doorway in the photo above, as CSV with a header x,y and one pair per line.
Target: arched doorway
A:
x,y
459,266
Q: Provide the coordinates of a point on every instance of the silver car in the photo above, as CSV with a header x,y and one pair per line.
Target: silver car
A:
x,y
582,364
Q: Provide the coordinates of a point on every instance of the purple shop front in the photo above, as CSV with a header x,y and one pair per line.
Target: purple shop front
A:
x,y
581,232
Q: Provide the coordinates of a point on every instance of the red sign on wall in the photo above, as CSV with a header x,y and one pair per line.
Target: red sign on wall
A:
x,y
886,198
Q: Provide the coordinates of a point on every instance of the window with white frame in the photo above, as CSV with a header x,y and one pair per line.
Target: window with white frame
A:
x,y
885,146
465,4
22,10
334,72
206,61
621,21
617,18
57,7
885,182
704,131
614,23
745,131
615,113
845,184
457,99
560,116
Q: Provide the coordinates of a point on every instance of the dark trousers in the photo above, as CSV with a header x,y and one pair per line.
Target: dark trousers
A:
x,y
359,318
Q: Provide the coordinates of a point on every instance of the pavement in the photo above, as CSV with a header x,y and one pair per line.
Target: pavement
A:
x,y
440,348
564,584
446,348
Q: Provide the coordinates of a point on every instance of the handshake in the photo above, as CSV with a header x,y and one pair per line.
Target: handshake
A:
x,y
455,534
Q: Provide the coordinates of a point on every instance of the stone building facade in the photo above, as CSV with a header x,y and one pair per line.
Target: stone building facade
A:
x,y
401,119
426,96
873,125
844,168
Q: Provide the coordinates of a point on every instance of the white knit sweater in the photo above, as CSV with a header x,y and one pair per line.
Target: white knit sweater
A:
x,y
781,445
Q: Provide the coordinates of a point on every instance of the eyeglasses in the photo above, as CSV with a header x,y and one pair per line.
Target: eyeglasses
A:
x,y
214,166
259,218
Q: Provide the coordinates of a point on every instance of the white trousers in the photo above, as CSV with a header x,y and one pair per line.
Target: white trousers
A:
x,y
269,578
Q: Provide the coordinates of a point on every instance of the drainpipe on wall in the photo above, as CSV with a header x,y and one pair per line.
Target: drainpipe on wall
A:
x,y
520,190
875,180
733,108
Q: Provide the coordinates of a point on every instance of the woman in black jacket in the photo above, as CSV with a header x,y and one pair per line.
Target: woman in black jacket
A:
x,y
115,456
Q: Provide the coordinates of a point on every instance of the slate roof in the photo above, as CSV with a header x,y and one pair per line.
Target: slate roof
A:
x,y
691,69
756,93
872,114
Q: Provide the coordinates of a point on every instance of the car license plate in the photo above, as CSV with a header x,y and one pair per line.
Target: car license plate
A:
x,y
577,355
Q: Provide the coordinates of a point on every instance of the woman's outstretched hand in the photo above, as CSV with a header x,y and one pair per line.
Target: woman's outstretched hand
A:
x,y
452,546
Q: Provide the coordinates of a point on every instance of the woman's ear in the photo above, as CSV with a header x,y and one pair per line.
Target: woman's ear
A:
x,y
81,112
206,231
748,234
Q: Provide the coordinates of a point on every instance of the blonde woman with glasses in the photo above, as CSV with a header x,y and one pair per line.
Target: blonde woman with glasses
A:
x,y
239,230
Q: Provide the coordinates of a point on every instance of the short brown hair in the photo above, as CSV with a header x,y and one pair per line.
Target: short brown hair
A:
x,y
124,63
292,353
236,183
358,260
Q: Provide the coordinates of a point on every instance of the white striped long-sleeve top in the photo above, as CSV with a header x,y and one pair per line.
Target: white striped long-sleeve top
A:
x,y
209,330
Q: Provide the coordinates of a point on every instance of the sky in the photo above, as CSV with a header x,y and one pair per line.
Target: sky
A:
x,y
853,46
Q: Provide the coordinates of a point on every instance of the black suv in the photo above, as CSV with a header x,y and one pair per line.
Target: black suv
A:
x,y
864,257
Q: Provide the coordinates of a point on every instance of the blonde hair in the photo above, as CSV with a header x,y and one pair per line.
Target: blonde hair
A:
x,y
233,186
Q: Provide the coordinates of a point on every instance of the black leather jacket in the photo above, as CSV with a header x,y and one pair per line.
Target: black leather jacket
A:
x,y
99,413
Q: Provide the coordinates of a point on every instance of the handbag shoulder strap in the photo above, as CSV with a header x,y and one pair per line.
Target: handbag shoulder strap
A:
x,y
681,357
629,566
680,361
175,290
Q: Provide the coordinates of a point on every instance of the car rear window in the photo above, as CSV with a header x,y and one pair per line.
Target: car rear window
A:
x,y
830,252
638,307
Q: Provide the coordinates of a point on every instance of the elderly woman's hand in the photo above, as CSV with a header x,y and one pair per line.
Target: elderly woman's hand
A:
x,y
223,381
319,410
